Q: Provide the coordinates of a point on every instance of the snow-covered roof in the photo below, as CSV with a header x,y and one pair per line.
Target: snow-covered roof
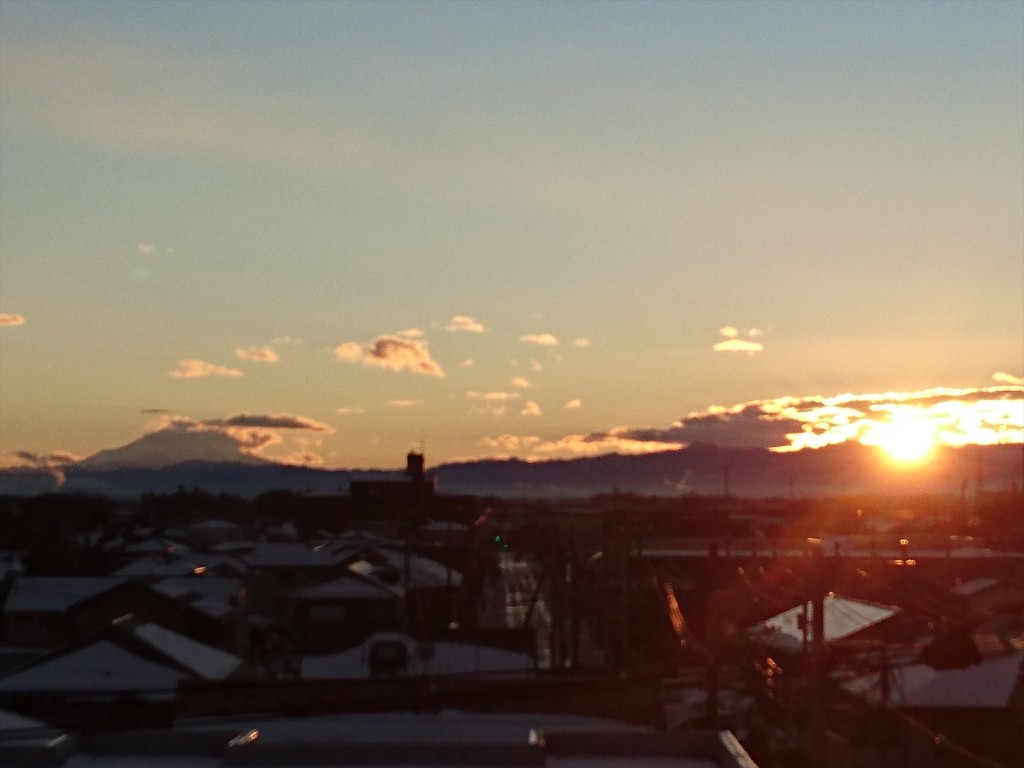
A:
x,y
844,616
159,568
973,586
444,526
349,588
214,525
287,554
204,660
445,658
211,594
12,721
419,739
156,544
102,666
55,594
986,685
423,572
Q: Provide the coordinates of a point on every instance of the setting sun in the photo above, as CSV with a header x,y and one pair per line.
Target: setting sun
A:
x,y
905,440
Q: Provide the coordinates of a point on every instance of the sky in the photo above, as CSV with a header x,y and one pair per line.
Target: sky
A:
x,y
334,231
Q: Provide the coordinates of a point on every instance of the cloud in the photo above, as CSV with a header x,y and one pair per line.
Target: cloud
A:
x,y
281,341
755,332
738,345
521,382
393,353
410,333
616,440
257,354
9,319
239,435
466,324
1008,378
351,411
541,339
190,368
146,248
986,416
530,409
729,331
573,404
467,363
493,396
53,463
405,403
154,411
510,444
582,342
536,366
269,421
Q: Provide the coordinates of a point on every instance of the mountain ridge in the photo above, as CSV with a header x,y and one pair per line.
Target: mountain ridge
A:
x,y
702,469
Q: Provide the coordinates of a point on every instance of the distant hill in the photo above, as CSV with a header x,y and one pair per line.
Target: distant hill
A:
x,y
700,469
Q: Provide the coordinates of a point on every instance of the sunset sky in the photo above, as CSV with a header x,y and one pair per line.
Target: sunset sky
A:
x,y
330,231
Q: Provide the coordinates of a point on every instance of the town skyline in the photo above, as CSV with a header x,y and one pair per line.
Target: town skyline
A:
x,y
332,232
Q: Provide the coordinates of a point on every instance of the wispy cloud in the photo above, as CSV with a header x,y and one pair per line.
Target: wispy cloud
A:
x,y
733,342
146,249
535,448
738,345
1008,378
350,411
573,404
466,324
9,319
511,444
521,382
269,421
541,339
190,368
530,409
393,353
582,342
467,363
410,333
257,354
493,396
400,403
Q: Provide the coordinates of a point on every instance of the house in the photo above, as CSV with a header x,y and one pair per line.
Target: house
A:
x,y
343,611
47,611
51,611
126,674
982,598
394,654
845,619
978,708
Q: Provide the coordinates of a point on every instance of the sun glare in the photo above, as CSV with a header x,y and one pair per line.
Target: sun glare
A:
x,y
905,440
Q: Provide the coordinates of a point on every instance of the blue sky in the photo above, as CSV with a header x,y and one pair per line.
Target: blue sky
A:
x,y
203,181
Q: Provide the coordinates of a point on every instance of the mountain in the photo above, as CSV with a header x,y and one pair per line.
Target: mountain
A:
x,y
699,469
167,447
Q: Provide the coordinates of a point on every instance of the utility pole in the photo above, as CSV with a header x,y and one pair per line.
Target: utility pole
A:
x,y
817,747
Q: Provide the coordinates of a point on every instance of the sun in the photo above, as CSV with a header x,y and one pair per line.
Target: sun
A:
x,y
905,440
